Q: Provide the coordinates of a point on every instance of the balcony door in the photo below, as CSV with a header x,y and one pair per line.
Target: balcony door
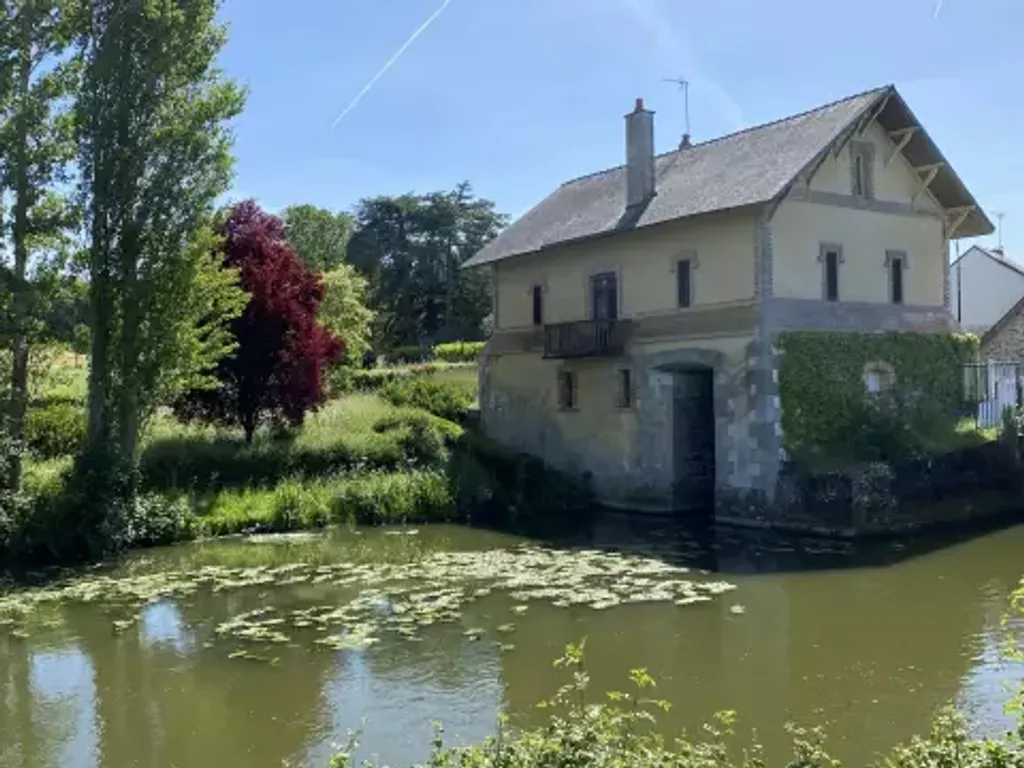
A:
x,y
604,296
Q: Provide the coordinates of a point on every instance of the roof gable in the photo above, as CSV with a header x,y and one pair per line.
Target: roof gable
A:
x,y
751,167
987,254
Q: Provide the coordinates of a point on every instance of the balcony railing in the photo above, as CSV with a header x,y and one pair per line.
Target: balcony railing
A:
x,y
586,338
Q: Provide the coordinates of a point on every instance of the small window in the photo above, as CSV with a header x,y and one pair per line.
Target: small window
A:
x,y
896,262
538,305
861,157
624,389
684,282
878,378
566,390
831,260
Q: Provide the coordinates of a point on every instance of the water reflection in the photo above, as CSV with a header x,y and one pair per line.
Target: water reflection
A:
x,y
871,651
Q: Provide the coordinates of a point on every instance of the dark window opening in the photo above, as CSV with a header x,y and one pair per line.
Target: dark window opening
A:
x,y
538,305
604,290
625,390
896,280
831,276
684,283
567,389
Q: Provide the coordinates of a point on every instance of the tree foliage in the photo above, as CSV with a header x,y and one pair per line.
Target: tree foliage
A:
x,y
154,153
277,371
344,312
411,249
35,152
318,236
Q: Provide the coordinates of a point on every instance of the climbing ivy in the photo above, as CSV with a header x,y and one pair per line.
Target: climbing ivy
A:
x,y
827,411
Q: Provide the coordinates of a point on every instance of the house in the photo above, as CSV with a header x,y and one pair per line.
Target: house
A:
x,y
1004,341
635,308
984,285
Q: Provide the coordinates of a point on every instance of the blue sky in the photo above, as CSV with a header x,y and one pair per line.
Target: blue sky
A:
x,y
519,95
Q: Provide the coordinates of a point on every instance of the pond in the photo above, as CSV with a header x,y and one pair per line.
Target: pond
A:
x,y
266,652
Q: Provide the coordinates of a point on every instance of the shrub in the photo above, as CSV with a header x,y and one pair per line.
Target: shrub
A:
x,y
55,430
298,505
621,732
424,438
158,520
459,351
408,354
447,399
399,497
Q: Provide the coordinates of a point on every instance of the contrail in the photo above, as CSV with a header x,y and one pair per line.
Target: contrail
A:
x,y
391,62
938,9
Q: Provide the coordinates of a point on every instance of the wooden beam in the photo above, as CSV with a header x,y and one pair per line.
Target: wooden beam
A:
x,y
932,171
956,219
900,138
870,118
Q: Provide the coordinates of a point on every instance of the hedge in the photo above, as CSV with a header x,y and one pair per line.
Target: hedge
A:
x,y
825,407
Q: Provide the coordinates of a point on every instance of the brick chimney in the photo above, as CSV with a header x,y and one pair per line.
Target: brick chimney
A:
x,y
639,155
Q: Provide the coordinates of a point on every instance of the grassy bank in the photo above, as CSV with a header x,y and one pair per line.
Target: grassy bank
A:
x,y
393,452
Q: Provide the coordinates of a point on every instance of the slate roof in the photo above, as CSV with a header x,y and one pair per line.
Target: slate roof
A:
x,y
750,167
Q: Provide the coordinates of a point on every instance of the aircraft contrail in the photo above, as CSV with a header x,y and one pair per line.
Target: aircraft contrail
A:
x,y
391,62
938,9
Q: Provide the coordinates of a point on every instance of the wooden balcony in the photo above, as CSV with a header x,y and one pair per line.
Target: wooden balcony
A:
x,y
586,338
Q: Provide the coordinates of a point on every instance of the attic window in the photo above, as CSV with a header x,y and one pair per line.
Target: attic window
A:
x,y
862,155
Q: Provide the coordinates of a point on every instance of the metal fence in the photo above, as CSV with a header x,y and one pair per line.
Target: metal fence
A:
x,y
990,388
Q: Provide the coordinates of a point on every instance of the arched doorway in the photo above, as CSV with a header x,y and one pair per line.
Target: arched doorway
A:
x,y
693,439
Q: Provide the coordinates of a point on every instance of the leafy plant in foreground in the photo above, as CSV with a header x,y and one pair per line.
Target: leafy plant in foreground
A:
x,y
620,733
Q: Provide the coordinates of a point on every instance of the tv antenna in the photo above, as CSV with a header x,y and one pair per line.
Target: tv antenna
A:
x,y
684,86
999,227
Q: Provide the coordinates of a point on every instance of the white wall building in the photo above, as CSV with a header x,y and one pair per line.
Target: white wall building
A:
x,y
983,286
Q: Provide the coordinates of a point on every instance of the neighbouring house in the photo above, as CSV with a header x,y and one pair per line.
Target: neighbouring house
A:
x,y
638,311
984,285
1004,340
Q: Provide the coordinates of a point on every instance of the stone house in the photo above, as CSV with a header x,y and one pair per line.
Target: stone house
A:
x,y
1004,341
635,308
984,286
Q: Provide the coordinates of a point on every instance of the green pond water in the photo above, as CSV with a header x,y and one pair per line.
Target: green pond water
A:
x,y
266,652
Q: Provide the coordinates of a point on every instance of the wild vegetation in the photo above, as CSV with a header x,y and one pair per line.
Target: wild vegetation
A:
x,y
114,147
620,732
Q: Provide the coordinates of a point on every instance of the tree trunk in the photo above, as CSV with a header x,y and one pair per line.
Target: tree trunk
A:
x,y
19,291
128,395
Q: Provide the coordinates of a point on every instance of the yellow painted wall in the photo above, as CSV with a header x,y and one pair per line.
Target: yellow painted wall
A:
x,y
894,182
645,261
532,382
596,436
798,229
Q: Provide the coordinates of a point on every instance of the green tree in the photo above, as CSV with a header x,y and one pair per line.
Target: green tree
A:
x,y
344,310
318,236
35,152
154,151
411,249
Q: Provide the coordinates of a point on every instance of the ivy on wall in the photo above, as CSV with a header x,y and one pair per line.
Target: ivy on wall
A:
x,y
828,411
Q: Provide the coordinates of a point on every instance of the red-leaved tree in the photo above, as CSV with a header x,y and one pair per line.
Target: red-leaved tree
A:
x,y
277,372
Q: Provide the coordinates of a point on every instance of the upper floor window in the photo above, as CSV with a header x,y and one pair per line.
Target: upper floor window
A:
x,y
684,282
830,256
604,296
895,263
862,156
537,294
